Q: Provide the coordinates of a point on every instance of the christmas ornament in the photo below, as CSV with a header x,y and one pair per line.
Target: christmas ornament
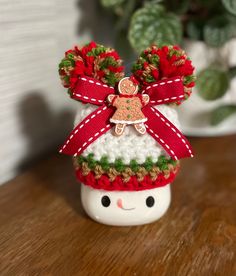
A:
x,y
126,143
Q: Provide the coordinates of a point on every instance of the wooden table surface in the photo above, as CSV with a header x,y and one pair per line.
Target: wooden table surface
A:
x,y
44,231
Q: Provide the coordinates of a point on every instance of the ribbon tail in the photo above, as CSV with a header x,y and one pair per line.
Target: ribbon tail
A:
x,y
166,134
93,126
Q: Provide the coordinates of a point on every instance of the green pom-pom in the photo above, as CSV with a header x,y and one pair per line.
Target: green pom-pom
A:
x,y
92,60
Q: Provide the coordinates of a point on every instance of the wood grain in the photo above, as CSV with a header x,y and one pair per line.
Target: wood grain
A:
x,y
45,232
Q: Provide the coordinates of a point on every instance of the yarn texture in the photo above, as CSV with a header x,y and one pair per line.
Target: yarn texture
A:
x,y
135,148
130,145
118,184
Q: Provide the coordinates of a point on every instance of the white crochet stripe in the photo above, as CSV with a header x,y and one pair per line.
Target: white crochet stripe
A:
x,y
81,126
160,84
162,142
91,138
130,145
178,135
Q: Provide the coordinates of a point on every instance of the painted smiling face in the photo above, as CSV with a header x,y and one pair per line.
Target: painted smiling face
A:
x,y
125,208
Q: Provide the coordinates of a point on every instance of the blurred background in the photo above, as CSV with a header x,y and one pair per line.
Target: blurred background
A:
x,y
36,113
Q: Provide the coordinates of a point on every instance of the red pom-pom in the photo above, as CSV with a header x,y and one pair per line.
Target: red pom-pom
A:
x,y
156,63
92,60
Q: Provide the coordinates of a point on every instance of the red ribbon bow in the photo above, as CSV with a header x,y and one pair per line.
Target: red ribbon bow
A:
x,y
89,90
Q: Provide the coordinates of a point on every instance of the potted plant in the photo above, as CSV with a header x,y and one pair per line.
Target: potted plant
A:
x,y
207,30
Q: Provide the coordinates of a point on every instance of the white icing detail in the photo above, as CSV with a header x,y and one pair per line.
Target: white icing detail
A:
x,y
128,122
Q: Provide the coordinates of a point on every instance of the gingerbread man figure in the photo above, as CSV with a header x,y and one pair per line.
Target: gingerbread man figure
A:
x,y
129,107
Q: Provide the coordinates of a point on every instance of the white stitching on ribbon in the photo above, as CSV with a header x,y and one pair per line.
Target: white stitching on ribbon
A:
x,y
162,141
81,126
92,99
87,98
178,135
91,138
167,99
97,83
161,83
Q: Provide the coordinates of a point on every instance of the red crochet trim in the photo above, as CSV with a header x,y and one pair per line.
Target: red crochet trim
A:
x,y
119,185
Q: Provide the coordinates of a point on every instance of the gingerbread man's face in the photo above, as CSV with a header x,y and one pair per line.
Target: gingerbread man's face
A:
x,y
127,87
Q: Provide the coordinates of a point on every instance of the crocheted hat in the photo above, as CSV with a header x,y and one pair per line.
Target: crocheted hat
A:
x,y
145,153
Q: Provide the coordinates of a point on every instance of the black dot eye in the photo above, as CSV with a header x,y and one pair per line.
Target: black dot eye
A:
x,y
150,201
106,201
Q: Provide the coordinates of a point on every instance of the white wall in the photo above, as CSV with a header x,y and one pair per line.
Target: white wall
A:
x,y
35,111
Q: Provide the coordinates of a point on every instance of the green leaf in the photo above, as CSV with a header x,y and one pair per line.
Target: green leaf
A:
x,y
218,30
212,83
221,113
152,24
232,72
122,45
111,3
177,6
124,18
194,29
230,6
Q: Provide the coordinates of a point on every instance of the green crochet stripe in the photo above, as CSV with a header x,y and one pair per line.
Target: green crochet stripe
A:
x,y
119,165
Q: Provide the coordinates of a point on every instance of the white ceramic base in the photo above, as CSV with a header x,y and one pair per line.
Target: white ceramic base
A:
x,y
125,208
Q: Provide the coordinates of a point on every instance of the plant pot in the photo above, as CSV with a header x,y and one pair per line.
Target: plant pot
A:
x,y
195,114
